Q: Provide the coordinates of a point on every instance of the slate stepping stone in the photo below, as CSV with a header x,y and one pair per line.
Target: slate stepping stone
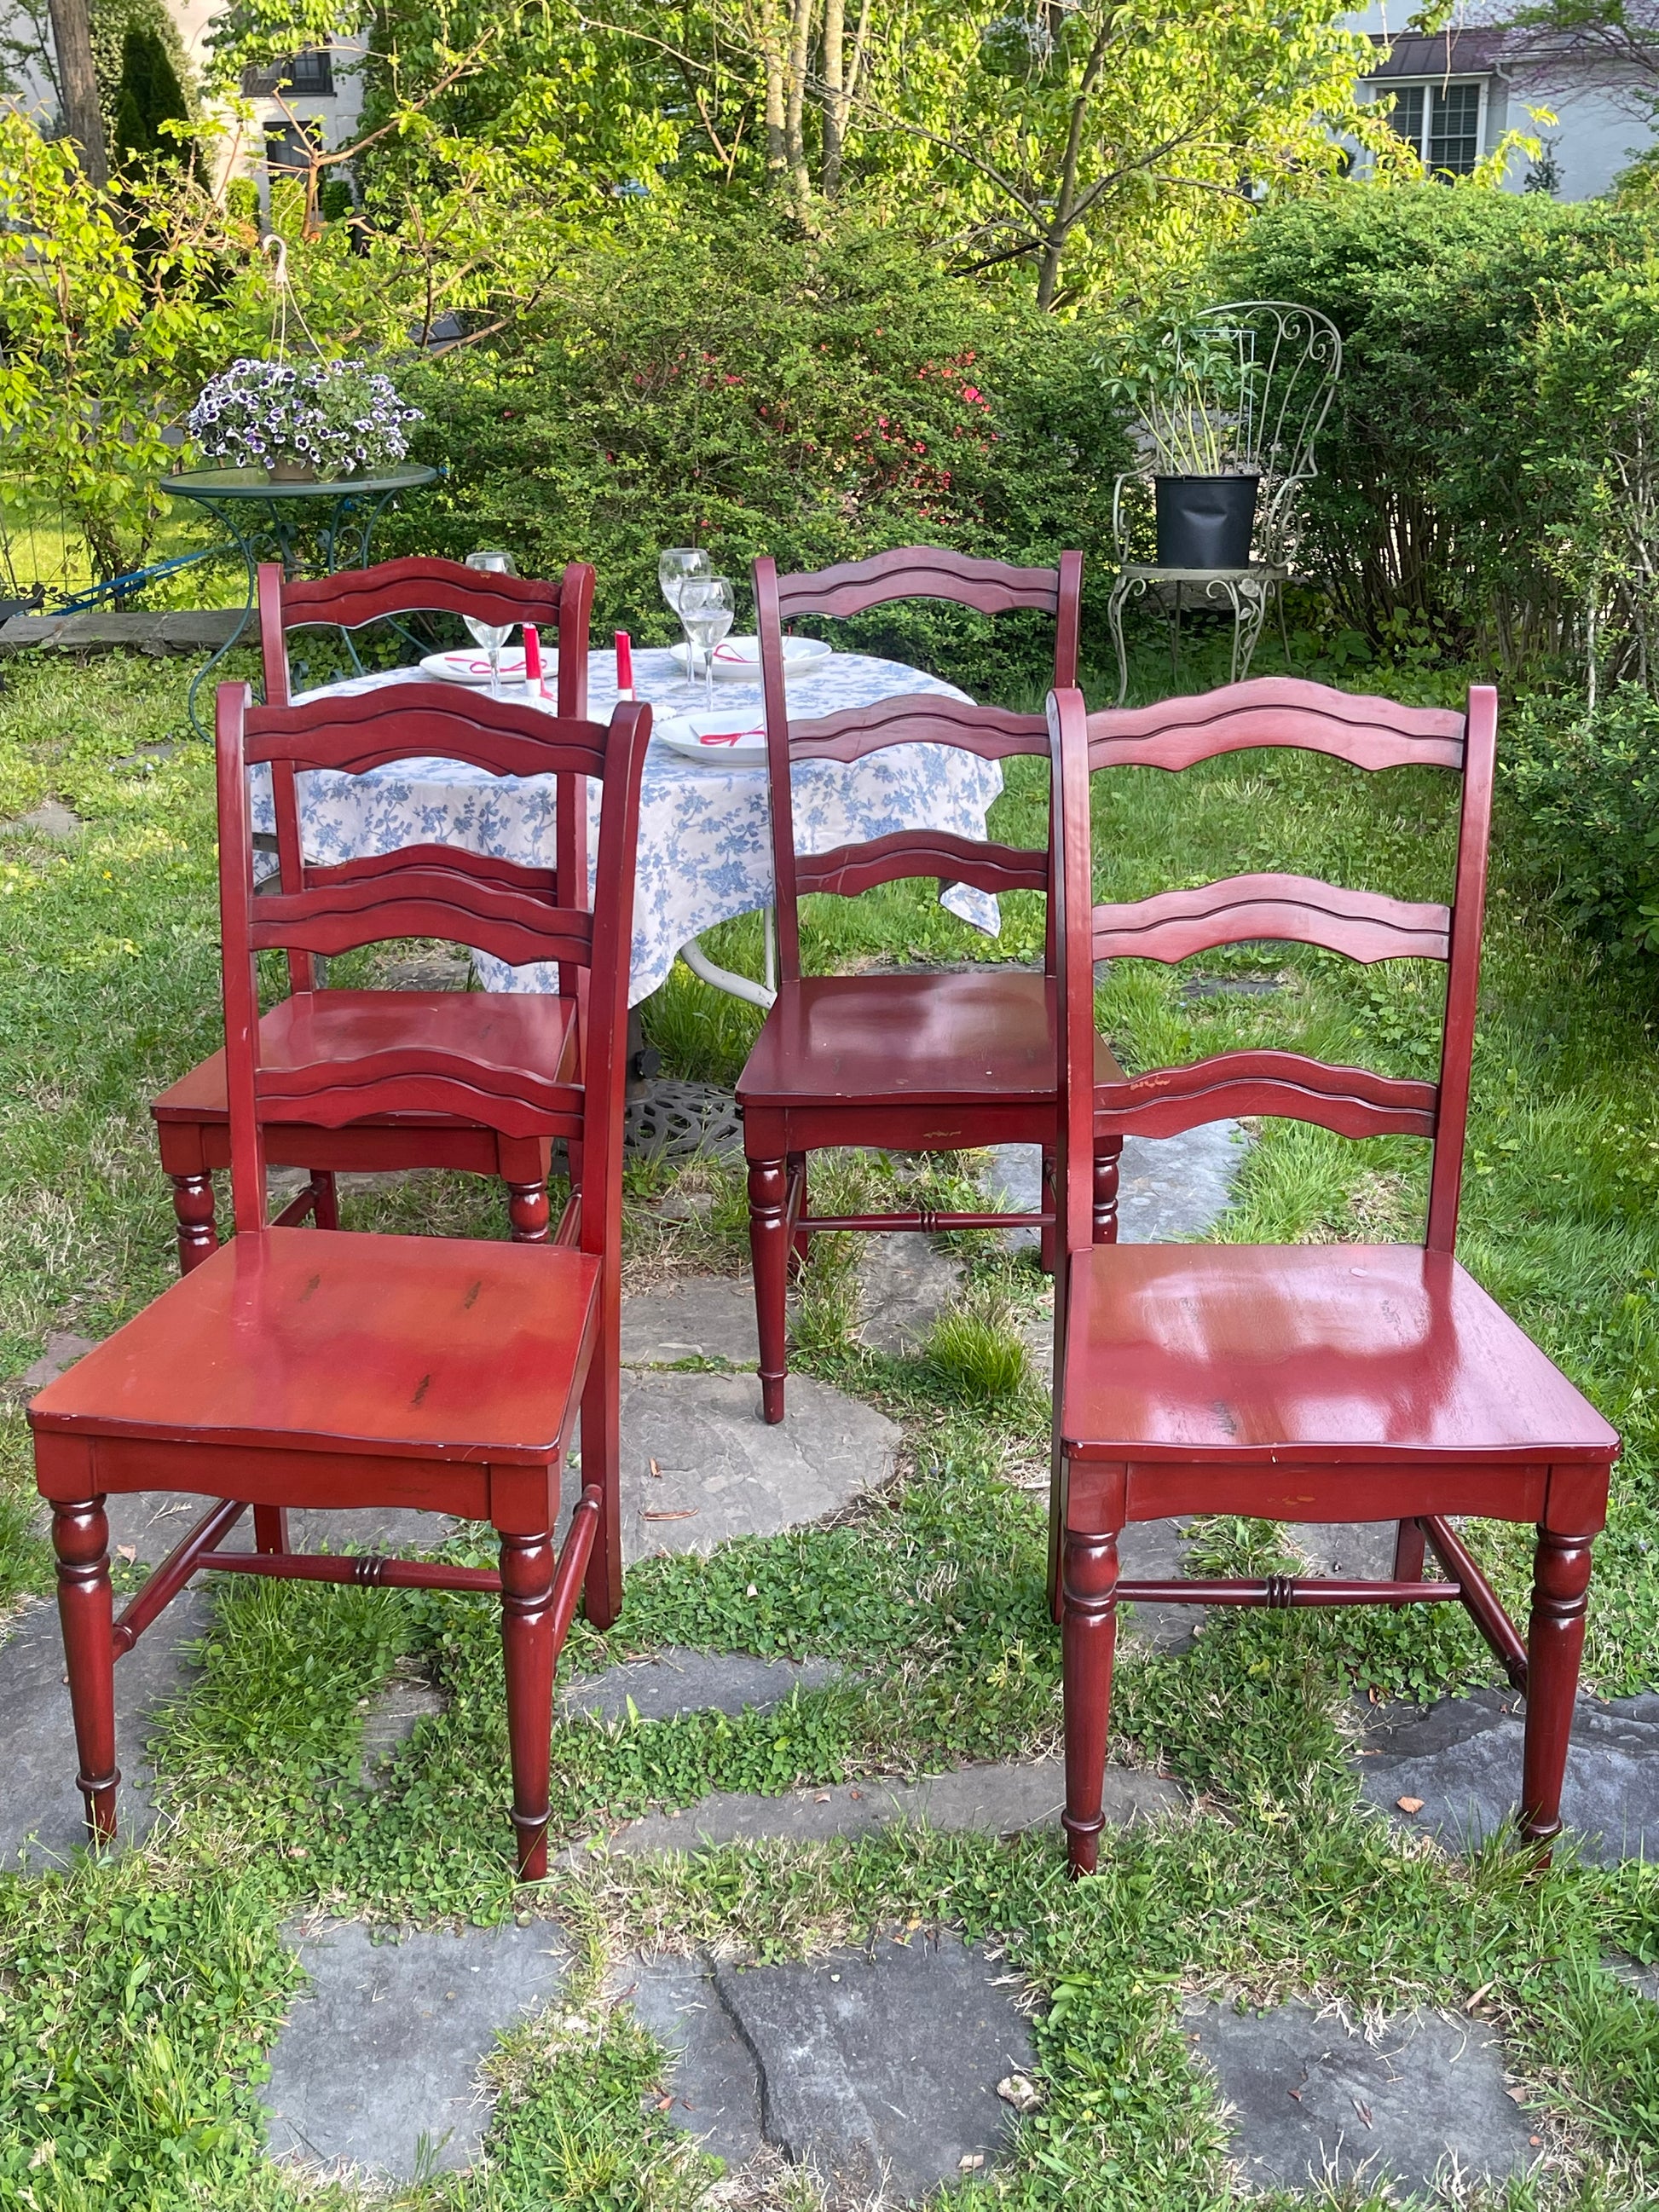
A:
x,y
63,1348
376,2071
905,1283
698,1317
1156,1551
1169,1187
1644,1980
52,818
394,1713
1314,2103
699,1466
1462,1757
1346,1548
877,2070
675,1681
42,1815
998,1800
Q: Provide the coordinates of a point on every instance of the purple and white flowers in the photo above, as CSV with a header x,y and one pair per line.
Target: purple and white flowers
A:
x,y
339,417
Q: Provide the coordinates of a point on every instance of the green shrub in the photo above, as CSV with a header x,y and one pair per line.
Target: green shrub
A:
x,y
1584,788
1451,491
819,400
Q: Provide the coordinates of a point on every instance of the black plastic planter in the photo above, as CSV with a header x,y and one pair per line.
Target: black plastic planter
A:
x,y
1204,522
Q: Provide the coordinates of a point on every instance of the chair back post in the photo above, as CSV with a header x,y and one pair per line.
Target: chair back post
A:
x,y
1068,615
241,980
780,791
284,794
1070,910
1463,967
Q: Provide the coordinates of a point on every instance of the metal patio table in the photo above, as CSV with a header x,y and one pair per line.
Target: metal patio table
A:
x,y
260,513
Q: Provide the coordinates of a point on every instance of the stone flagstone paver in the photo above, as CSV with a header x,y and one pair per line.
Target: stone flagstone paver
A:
x,y
1460,1758
700,1465
1170,1188
878,2068
998,1800
905,1282
1313,2102
675,1681
376,2071
696,1317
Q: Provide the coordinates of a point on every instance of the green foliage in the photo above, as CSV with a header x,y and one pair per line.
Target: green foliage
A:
x,y
818,400
1459,462
149,95
1585,786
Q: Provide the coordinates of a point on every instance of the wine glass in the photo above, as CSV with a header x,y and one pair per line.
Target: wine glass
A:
x,y
707,606
492,636
675,568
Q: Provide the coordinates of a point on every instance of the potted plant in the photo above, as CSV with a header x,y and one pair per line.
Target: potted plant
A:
x,y
1188,384
315,420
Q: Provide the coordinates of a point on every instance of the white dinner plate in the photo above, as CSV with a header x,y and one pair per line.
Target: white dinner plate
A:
x,y
734,740
472,666
738,659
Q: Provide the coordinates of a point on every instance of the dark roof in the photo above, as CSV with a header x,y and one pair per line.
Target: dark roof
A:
x,y
1447,54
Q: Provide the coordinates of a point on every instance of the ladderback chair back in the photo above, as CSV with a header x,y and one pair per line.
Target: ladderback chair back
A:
x,y
486,904
1171,925
1349,1383
991,732
352,598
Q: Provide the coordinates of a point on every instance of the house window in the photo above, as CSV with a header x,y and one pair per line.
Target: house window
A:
x,y
310,75
1442,122
289,147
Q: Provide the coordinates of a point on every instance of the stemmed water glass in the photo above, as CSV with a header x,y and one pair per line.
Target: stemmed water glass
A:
x,y
675,569
491,636
707,606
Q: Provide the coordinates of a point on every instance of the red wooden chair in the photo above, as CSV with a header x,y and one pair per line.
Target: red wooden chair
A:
x,y
307,1368
1299,1383
920,1063
527,1029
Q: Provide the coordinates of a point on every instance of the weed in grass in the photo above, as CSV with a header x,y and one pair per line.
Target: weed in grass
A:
x,y
978,1354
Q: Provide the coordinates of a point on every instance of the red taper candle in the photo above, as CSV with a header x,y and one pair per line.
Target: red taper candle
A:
x,y
624,666
532,657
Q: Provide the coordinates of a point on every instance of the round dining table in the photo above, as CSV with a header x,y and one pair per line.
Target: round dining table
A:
x,y
704,854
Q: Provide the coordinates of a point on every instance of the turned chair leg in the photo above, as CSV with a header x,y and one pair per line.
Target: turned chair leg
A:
x,y
270,1528
1555,1643
1108,1162
602,1588
527,1565
193,1209
528,1213
80,1536
1410,1549
324,1199
795,1172
1089,1573
769,1249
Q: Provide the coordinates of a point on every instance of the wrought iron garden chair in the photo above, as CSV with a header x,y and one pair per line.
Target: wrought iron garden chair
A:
x,y
1284,363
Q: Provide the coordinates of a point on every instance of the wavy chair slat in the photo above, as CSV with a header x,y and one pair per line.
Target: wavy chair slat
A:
x,y
850,869
485,867
919,572
1276,710
518,1101
352,597
918,718
554,934
1352,1101
1364,925
411,722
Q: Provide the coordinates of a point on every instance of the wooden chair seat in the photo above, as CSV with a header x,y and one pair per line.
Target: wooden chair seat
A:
x,y
466,1354
863,1040
518,1032
1344,1364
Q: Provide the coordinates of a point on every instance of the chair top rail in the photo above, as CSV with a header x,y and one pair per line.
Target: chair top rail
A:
x,y
1277,711
1365,926
1367,732
415,721
919,572
354,597
917,718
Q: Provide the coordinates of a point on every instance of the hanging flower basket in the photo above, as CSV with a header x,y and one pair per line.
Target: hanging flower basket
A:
x,y
320,420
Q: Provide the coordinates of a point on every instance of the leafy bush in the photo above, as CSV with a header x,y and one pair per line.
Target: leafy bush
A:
x,y
1451,489
1584,788
819,400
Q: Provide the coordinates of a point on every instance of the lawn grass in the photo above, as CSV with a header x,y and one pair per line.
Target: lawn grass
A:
x,y
136,1997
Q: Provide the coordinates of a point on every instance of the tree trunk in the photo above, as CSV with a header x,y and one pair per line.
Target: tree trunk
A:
x,y
835,94
800,42
772,63
1065,198
72,34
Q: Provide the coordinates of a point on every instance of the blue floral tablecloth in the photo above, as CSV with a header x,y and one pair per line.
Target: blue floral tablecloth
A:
x,y
704,845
